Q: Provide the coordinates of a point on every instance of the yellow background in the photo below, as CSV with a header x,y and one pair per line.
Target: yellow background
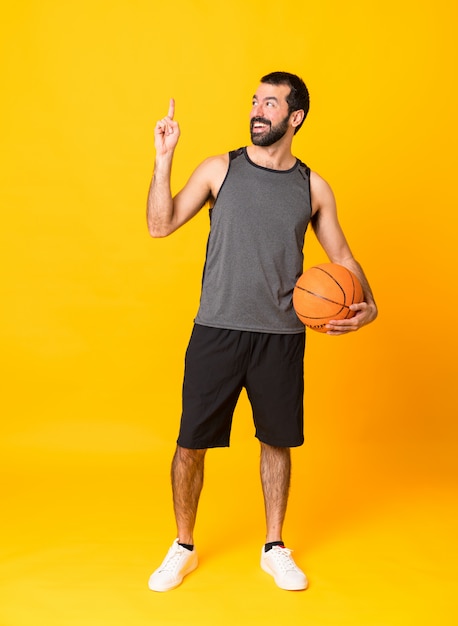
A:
x,y
95,315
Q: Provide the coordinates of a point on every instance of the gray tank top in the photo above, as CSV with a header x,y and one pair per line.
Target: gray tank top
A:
x,y
254,250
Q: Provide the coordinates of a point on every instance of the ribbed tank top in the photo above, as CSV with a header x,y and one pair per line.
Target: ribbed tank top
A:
x,y
254,249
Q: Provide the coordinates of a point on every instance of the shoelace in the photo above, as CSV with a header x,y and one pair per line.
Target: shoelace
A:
x,y
283,558
172,559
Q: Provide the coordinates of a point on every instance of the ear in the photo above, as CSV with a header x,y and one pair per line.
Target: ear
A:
x,y
297,117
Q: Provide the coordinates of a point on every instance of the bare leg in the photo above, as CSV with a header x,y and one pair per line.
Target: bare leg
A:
x,y
187,482
275,478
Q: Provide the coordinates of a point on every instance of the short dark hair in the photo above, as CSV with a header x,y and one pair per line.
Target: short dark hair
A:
x,y
298,97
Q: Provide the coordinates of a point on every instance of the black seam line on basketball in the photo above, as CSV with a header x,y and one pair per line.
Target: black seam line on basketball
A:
x,y
326,318
321,269
317,295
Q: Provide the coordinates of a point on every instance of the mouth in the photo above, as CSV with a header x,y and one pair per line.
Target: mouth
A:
x,y
259,125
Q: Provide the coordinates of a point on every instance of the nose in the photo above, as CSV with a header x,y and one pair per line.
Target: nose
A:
x,y
257,110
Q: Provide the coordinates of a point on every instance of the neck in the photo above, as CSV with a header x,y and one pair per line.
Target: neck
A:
x,y
275,157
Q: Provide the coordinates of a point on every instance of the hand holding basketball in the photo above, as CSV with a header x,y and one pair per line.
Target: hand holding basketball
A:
x,y
329,298
360,318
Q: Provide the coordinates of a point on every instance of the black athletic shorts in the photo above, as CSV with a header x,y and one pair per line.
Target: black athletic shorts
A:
x,y
219,363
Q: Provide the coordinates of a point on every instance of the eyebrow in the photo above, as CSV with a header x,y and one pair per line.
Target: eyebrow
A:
x,y
267,98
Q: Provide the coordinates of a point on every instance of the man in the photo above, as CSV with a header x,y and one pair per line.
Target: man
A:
x,y
246,333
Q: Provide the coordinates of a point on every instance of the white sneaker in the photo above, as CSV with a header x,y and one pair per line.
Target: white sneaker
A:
x,y
178,562
279,563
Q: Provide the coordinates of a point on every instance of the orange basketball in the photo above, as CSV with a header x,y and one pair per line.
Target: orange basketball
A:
x,y
325,292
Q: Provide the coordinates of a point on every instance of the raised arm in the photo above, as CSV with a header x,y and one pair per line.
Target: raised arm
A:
x,y
165,213
331,237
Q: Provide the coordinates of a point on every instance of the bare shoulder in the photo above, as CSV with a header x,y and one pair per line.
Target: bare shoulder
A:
x,y
214,169
318,184
321,192
215,165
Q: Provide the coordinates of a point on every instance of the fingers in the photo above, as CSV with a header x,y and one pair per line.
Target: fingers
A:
x,y
335,328
340,327
359,306
167,126
171,112
364,313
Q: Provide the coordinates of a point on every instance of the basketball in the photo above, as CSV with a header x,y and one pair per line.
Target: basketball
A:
x,y
325,292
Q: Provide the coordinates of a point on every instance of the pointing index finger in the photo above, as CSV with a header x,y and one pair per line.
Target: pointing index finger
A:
x,y
171,112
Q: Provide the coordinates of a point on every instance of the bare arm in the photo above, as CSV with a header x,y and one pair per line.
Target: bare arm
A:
x,y
165,213
331,237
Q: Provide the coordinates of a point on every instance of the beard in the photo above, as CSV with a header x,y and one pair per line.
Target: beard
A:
x,y
269,136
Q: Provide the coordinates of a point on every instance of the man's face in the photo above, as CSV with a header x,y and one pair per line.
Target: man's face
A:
x,y
269,117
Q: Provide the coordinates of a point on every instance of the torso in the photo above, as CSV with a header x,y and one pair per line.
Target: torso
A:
x,y
254,254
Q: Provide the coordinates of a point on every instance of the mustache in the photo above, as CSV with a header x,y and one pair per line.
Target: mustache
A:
x,y
261,120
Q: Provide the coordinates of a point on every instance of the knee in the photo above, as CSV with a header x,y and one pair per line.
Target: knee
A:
x,y
276,450
190,455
